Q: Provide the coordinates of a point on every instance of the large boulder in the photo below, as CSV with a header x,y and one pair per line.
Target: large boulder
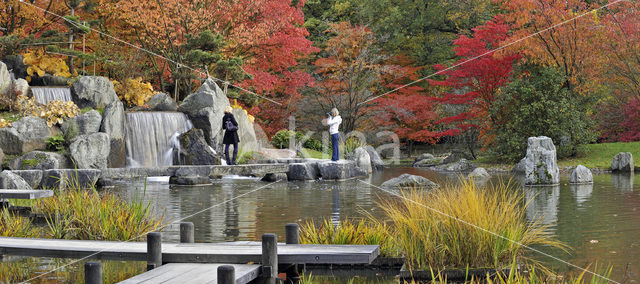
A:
x,y
205,109
27,134
340,170
408,180
362,159
90,151
246,133
86,123
113,124
461,165
303,171
581,174
93,92
70,178
38,160
5,80
622,162
15,63
540,164
194,150
32,177
162,102
479,173
9,180
376,162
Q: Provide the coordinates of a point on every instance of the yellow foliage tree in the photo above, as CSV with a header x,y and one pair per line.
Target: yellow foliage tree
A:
x,y
134,91
238,106
41,63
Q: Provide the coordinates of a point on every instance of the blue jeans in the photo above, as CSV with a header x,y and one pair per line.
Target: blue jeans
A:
x,y
235,153
335,141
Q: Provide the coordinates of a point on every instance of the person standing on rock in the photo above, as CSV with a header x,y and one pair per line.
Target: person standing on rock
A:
x,y
230,125
333,121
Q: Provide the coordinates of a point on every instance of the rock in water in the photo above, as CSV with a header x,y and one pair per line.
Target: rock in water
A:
x,y
480,173
303,171
408,180
93,92
622,162
27,134
376,162
362,159
339,170
194,150
162,102
90,151
9,180
113,124
581,174
462,165
540,164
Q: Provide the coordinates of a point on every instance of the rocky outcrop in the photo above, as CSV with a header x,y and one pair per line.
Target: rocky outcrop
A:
x,y
456,156
25,135
90,151
194,150
70,178
32,177
340,170
20,87
9,180
540,162
38,160
426,160
93,92
205,109
84,124
362,159
113,124
622,162
581,175
376,162
303,171
479,173
461,165
5,80
412,181
162,102
246,133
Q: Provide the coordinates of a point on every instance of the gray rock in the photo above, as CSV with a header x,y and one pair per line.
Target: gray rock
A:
x,y
427,163
162,102
32,177
90,151
461,165
27,134
195,175
622,162
50,80
70,178
113,124
275,177
93,92
205,109
5,80
16,64
424,156
519,167
38,160
376,162
408,180
194,150
479,173
456,156
9,180
340,170
20,87
540,164
189,180
362,159
246,132
1,156
86,123
303,171
581,174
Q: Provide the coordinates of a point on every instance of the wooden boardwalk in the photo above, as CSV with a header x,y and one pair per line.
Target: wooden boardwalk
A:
x,y
182,273
235,253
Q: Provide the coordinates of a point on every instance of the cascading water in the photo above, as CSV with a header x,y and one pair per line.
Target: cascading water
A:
x,y
152,137
44,95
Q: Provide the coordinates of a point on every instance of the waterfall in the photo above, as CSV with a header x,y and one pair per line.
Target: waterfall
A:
x,y
44,95
152,136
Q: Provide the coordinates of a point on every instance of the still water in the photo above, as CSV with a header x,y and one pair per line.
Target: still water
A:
x,y
601,222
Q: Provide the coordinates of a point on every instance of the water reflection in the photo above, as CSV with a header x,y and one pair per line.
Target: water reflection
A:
x,y
582,192
623,181
543,203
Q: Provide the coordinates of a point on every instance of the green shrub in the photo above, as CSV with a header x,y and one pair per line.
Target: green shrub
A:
x,y
55,143
540,104
351,144
281,140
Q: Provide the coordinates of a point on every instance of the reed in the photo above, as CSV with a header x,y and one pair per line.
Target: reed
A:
x,y
16,226
433,228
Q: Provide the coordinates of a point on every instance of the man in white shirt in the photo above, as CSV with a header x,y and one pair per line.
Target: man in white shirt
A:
x,y
334,121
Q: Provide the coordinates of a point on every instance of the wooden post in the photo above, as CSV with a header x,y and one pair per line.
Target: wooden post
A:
x,y
93,272
269,258
154,250
292,234
226,274
186,232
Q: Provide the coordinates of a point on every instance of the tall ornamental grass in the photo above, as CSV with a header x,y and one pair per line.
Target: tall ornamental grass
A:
x,y
433,228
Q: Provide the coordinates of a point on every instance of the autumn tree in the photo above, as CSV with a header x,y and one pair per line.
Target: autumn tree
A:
x,y
475,80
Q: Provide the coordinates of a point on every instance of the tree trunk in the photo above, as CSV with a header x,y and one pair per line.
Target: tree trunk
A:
x,y
70,60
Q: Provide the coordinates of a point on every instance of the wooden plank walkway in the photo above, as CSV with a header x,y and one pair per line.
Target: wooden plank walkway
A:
x,y
239,252
24,194
181,273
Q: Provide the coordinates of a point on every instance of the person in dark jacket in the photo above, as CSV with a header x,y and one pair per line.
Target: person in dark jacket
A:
x,y
230,125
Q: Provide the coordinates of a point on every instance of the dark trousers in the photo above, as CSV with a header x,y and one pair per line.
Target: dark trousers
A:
x,y
235,153
335,141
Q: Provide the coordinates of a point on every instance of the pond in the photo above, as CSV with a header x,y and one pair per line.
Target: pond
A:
x,y
601,222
